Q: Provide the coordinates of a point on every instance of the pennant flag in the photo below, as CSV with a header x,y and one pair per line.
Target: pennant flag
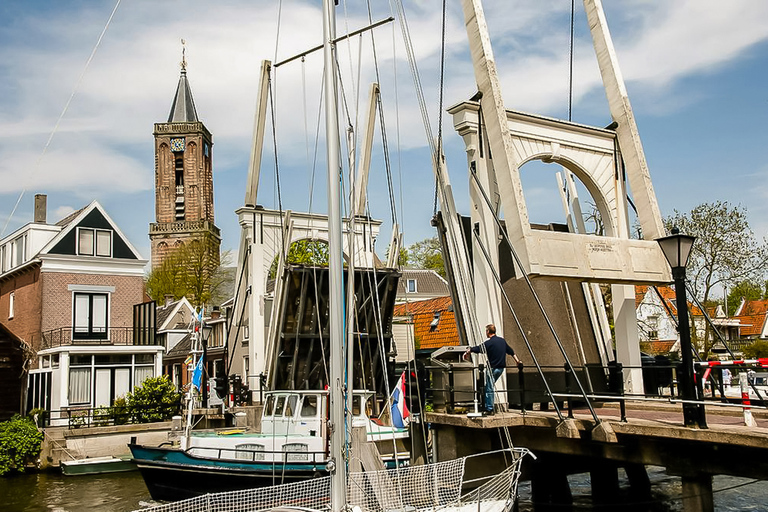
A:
x,y
197,375
400,414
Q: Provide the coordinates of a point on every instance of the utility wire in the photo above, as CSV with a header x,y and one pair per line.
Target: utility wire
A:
x,y
63,113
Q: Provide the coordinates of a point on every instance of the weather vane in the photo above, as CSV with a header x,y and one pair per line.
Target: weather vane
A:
x,y
183,55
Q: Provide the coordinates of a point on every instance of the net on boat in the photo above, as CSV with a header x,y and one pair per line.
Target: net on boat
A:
x,y
432,487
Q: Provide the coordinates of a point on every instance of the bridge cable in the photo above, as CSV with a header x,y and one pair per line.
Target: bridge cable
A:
x,y
440,103
517,322
533,292
570,58
63,113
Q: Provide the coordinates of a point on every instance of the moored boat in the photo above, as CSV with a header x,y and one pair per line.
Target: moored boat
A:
x,y
97,465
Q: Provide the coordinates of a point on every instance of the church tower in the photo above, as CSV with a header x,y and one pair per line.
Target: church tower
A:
x,y
183,179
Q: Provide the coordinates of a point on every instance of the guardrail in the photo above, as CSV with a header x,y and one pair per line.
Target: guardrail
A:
x,y
67,336
458,386
85,417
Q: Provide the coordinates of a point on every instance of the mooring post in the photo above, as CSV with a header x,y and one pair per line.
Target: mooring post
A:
x,y
521,385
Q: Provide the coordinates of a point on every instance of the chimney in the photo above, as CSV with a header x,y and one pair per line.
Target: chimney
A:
x,y
168,299
41,207
215,313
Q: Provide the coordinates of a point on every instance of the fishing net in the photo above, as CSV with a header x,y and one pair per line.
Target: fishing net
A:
x,y
430,487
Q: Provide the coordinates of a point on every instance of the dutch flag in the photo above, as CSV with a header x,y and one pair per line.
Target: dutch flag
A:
x,y
400,414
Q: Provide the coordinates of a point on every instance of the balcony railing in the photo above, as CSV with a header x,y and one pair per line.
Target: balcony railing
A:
x,y
191,226
112,336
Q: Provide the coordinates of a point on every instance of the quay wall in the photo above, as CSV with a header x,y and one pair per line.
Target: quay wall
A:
x,y
63,443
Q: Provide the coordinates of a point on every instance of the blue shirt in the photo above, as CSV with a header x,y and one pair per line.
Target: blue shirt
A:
x,y
497,349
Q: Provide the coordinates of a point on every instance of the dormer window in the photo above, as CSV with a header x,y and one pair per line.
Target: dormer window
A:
x,y
94,242
411,286
435,321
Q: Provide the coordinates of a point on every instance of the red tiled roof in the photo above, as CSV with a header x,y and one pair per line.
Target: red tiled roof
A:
x,y
423,313
668,294
752,317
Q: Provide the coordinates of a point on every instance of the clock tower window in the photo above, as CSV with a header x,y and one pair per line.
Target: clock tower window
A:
x,y
179,173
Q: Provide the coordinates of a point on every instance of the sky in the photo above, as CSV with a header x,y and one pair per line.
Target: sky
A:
x,y
78,102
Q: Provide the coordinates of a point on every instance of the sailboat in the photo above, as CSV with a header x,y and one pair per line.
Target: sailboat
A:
x,y
428,487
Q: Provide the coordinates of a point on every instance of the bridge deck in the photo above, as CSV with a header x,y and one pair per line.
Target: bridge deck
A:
x,y
650,436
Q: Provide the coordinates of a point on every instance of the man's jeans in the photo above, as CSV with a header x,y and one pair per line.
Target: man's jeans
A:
x,y
490,386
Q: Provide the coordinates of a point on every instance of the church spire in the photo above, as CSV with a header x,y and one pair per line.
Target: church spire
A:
x,y
183,108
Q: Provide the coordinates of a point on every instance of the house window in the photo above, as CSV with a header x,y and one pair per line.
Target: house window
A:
x,y
90,315
11,301
142,373
411,286
177,375
79,386
94,242
18,250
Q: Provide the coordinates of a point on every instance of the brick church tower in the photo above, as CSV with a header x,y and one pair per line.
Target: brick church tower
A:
x,y
183,179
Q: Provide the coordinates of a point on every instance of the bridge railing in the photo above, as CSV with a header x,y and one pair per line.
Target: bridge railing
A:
x,y
457,387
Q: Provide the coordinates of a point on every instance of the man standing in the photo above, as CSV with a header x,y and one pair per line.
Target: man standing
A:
x,y
496,348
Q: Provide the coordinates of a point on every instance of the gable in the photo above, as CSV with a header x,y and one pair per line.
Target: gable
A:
x,y
95,219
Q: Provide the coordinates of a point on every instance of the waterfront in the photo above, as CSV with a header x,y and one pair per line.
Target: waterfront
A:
x,y
124,492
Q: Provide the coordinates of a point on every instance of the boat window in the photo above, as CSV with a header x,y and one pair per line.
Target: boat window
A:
x,y
356,406
268,406
309,406
249,451
296,452
279,406
290,406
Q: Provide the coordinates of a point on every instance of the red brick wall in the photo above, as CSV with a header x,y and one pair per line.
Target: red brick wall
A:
x,y
57,299
26,322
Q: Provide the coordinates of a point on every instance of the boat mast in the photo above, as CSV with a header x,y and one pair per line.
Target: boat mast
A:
x,y
335,255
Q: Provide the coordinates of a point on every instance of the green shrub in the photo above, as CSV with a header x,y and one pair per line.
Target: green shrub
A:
x,y
102,416
78,419
20,443
155,400
120,411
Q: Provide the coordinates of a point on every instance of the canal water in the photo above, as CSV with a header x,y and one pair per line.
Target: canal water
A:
x,y
124,492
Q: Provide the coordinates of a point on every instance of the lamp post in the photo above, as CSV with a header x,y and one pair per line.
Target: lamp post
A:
x,y
676,249
205,333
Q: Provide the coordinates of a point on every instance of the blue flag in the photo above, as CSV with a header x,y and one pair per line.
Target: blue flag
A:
x,y
197,375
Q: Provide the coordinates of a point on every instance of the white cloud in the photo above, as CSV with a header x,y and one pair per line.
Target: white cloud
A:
x,y
104,143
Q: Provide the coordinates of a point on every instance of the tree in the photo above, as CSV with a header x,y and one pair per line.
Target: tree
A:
x,y
20,443
304,252
756,350
427,254
750,290
195,270
725,252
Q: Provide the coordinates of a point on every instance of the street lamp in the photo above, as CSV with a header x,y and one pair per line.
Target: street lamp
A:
x,y
676,249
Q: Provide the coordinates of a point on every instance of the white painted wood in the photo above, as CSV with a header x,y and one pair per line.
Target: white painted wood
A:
x,y
638,174
254,164
588,153
360,189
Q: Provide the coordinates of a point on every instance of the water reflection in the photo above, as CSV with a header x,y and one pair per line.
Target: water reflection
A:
x,y
125,492
118,492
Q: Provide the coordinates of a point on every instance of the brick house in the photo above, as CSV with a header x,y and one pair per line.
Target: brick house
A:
x,y
657,320
753,319
419,284
423,325
68,290
13,368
